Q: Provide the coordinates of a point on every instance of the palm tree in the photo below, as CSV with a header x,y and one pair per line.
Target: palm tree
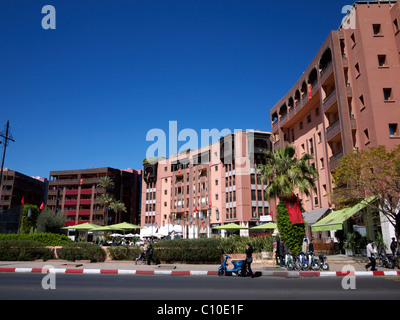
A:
x,y
105,200
284,173
105,182
117,206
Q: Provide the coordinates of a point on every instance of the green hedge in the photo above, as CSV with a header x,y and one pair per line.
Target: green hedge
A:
x,y
124,252
83,251
24,250
236,244
189,250
48,239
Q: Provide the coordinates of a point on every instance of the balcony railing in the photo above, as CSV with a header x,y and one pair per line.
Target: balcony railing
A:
x,y
333,130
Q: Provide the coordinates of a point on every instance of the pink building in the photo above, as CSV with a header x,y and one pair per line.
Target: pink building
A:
x,y
348,99
199,189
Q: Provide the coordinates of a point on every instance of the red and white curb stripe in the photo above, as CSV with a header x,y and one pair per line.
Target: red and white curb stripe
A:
x,y
309,274
110,271
288,274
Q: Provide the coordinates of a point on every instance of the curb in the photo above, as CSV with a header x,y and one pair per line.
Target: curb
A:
x,y
285,274
109,271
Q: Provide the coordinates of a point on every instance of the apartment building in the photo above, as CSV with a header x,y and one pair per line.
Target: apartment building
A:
x,y
196,190
348,99
17,189
75,192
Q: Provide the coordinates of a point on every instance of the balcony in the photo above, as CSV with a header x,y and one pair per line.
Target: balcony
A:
x,y
329,99
334,160
333,130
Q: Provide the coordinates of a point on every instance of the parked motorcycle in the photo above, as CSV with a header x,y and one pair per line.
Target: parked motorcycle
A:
x,y
323,264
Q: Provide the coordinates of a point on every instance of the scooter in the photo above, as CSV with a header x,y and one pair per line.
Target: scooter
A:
x,y
239,268
323,263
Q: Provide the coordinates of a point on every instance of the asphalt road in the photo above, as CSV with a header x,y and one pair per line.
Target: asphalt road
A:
x,y
178,288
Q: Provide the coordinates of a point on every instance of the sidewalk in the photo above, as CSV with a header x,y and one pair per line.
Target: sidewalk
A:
x,y
261,268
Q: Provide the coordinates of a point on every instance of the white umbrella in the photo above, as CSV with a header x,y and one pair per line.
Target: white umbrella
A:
x,y
129,235
116,235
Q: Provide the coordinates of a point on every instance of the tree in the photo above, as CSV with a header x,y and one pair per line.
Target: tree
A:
x,y
105,182
105,199
117,206
372,172
30,214
283,173
50,222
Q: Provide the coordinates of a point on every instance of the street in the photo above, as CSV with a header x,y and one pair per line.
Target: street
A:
x,y
176,288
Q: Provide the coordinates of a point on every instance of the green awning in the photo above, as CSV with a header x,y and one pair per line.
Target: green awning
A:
x,y
230,227
83,226
269,225
334,221
124,226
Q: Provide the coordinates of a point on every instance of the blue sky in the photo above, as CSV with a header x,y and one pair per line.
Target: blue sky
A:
x,y
86,94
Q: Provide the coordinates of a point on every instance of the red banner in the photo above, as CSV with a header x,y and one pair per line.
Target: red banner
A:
x,y
293,208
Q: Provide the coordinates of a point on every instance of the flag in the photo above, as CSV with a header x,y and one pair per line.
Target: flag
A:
x,y
22,201
81,181
103,211
179,171
195,209
309,92
148,175
41,206
293,208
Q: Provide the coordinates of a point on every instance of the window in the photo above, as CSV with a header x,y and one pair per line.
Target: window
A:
x,y
317,112
216,168
393,130
376,29
308,118
366,136
387,93
319,137
321,161
362,105
382,60
357,66
396,25
216,182
301,125
353,39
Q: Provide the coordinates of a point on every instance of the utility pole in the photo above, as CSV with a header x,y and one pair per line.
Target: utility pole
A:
x,y
6,136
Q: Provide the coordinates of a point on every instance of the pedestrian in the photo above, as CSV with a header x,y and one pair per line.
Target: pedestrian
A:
x,y
393,246
249,259
277,246
371,256
282,253
304,248
311,246
149,254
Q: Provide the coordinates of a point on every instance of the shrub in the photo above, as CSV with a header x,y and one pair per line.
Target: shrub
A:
x,y
124,252
24,250
236,244
48,239
189,250
83,251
